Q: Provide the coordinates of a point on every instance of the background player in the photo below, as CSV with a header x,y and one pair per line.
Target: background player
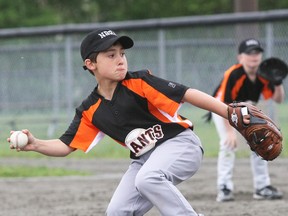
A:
x,y
241,83
139,111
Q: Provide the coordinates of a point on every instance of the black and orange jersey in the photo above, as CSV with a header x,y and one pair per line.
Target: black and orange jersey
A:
x,y
141,100
236,86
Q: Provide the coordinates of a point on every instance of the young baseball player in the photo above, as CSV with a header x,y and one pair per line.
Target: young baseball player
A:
x,y
241,83
139,111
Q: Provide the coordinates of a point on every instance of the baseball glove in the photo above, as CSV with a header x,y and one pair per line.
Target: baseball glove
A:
x,y
274,70
261,133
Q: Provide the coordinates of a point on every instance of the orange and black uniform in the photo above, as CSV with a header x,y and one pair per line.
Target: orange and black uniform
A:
x,y
236,86
141,100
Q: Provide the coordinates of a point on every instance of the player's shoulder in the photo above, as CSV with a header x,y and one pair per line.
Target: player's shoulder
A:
x,y
235,70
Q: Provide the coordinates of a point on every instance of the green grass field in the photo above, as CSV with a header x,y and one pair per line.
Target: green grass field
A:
x,y
27,171
38,124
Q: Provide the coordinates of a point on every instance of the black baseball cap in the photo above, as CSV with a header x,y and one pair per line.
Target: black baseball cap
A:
x,y
102,39
248,45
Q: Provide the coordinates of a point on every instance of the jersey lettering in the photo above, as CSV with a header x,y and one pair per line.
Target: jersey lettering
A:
x,y
136,147
140,140
158,133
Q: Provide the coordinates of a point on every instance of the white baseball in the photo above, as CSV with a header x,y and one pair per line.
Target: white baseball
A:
x,y
18,139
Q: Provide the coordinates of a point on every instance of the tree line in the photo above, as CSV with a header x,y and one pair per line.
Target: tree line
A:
x,y
27,13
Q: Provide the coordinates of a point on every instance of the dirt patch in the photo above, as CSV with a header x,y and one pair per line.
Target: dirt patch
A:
x,y
85,196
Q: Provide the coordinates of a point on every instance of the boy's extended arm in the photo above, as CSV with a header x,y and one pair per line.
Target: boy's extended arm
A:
x,y
53,147
204,101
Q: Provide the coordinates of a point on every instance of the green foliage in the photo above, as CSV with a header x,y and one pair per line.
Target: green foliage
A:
x,y
272,4
143,9
20,13
27,13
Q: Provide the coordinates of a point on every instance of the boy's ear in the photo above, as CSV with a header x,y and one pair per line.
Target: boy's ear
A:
x,y
90,65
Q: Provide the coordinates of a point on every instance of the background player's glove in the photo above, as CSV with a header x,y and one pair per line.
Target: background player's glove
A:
x,y
262,134
274,70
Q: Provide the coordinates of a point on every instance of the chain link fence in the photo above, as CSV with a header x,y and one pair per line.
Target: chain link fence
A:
x,y
41,71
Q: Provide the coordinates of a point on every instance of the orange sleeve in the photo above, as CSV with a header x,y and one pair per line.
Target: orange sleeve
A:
x,y
87,133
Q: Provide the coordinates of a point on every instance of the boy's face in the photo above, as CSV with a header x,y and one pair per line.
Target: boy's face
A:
x,y
111,64
251,60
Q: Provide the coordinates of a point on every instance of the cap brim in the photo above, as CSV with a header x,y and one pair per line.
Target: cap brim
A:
x,y
258,48
125,41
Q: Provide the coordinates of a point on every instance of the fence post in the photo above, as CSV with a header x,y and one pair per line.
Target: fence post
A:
x,y
55,95
162,53
69,76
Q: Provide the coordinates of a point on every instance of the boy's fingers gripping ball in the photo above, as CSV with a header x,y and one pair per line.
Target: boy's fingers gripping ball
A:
x,y
18,139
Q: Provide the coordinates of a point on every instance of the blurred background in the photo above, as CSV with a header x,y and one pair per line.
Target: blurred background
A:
x,y
191,42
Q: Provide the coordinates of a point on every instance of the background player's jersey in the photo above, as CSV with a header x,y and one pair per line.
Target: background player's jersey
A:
x,y
236,86
140,101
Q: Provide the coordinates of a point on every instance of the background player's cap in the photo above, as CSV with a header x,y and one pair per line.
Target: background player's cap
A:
x,y
100,40
248,45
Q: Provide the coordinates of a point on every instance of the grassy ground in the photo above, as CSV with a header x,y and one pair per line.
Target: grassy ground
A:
x,y
38,124
28,171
